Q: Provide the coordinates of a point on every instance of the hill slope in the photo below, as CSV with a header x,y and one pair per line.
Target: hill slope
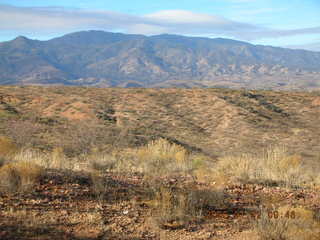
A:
x,y
213,121
102,59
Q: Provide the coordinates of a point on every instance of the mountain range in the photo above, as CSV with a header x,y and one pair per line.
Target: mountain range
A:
x,y
104,59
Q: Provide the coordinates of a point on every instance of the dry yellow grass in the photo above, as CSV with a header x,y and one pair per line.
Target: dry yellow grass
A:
x,y
162,158
176,207
275,165
288,223
7,147
102,161
99,185
19,176
57,158
203,168
33,156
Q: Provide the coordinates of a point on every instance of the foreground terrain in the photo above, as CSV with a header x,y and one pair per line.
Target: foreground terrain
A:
x,y
62,207
85,163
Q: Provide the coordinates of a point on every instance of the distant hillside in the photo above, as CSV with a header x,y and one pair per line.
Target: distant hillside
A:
x,y
97,58
214,121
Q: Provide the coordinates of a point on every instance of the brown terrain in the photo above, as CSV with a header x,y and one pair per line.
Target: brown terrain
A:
x,y
93,163
214,121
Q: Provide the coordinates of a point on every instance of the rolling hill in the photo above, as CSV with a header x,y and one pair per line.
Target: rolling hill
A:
x,y
213,121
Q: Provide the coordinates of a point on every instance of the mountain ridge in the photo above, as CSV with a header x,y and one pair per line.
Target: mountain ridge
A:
x,y
105,59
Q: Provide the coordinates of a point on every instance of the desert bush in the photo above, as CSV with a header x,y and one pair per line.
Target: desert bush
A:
x,y
9,179
102,161
202,168
234,167
7,147
170,208
279,166
126,161
98,184
289,223
25,133
33,157
99,163
3,160
81,137
176,207
19,176
78,138
57,158
275,165
162,158
316,180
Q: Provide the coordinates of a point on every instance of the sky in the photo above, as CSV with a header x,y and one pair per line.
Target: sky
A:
x,y
284,23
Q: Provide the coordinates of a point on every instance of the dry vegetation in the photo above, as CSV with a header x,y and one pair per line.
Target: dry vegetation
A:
x,y
273,166
288,222
19,176
106,178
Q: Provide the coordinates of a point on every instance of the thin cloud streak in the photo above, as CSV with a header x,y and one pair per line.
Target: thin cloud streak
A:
x,y
54,19
311,46
280,33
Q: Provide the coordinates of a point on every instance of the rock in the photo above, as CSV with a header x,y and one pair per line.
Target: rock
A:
x,y
125,212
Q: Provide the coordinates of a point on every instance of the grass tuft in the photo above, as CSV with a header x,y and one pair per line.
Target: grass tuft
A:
x,y
7,147
177,207
274,166
162,158
102,161
19,176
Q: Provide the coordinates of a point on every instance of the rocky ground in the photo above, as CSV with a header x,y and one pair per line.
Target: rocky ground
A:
x,y
58,127
64,205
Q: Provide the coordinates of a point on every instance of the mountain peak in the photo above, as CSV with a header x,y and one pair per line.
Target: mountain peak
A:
x,y
21,41
21,38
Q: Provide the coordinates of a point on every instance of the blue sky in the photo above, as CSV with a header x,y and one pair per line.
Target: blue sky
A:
x,y
292,23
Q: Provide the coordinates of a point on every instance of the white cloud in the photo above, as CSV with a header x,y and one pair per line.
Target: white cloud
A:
x,y
56,19
183,17
170,21
46,19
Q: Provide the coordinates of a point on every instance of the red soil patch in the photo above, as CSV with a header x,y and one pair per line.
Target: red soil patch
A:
x,y
73,111
316,102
